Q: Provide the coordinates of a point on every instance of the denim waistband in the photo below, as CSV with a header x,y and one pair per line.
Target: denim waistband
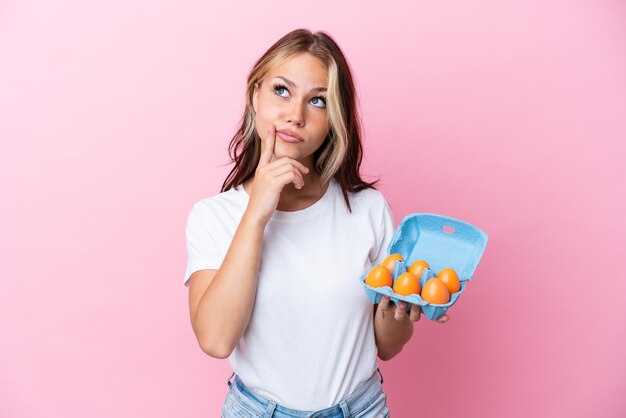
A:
x,y
357,401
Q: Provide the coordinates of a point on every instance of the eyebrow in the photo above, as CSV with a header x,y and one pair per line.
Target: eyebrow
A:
x,y
292,84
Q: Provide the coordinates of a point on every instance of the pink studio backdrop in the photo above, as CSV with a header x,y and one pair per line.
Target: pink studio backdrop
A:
x,y
115,118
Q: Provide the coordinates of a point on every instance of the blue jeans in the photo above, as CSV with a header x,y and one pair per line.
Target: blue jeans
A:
x,y
367,401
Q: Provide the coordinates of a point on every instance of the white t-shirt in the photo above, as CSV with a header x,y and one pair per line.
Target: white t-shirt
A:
x,y
310,341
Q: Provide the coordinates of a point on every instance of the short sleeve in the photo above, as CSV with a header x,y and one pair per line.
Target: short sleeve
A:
x,y
202,249
383,235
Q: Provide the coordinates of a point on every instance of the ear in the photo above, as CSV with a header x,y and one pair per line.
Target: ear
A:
x,y
255,97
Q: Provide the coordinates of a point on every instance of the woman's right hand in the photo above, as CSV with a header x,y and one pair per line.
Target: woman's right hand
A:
x,y
270,177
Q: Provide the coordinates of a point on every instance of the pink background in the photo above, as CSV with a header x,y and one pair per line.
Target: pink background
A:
x,y
115,118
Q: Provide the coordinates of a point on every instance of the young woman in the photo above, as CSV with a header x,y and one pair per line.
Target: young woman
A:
x,y
274,259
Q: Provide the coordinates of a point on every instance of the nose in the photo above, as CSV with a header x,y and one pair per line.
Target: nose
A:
x,y
296,113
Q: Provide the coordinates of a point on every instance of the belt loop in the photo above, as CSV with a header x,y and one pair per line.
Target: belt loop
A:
x,y
381,375
269,412
228,381
344,408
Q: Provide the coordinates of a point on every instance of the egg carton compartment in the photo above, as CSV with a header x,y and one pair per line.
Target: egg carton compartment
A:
x,y
431,310
441,241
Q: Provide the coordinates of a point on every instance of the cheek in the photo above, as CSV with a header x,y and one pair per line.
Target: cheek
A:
x,y
324,126
268,110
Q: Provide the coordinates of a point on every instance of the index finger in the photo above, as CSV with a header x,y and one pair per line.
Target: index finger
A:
x,y
268,151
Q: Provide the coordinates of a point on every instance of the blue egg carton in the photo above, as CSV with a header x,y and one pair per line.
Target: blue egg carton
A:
x,y
441,241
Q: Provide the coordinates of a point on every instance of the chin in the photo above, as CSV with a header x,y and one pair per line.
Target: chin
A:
x,y
293,154
285,149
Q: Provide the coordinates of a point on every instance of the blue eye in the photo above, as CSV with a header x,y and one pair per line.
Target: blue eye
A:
x,y
278,87
321,99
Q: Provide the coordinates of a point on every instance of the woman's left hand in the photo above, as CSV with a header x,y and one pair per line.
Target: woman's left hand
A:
x,y
400,310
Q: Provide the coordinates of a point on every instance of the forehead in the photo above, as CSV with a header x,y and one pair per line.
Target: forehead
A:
x,y
303,69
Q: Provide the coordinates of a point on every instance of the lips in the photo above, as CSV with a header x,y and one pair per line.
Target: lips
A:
x,y
289,136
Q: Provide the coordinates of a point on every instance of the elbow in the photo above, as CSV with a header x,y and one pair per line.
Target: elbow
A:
x,y
215,351
214,347
385,357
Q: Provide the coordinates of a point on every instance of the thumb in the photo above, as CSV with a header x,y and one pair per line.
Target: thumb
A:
x,y
268,151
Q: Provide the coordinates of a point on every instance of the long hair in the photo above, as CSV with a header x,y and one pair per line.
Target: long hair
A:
x,y
341,153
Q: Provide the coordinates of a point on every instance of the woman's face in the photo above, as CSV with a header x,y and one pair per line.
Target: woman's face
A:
x,y
292,96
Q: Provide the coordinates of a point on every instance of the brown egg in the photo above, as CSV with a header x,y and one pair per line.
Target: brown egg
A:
x,y
390,261
407,284
449,277
418,268
379,276
434,291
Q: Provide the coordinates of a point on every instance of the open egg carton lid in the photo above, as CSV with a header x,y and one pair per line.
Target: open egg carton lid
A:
x,y
441,241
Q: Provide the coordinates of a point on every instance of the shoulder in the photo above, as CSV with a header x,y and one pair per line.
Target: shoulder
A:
x,y
369,198
228,201
235,196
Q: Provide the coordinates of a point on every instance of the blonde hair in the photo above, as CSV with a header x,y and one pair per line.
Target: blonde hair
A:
x,y
340,154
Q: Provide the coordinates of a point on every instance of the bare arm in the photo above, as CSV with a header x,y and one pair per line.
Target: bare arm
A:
x,y
221,301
